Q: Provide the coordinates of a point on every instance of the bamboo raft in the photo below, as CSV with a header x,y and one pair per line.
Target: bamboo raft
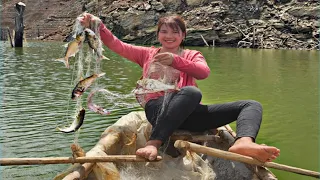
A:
x,y
132,131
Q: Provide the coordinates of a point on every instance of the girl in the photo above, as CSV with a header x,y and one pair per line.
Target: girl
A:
x,y
183,109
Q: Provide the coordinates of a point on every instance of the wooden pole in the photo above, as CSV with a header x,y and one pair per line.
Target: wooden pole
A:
x,y
67,160
18,38
204,40
245,159
196,138
10,37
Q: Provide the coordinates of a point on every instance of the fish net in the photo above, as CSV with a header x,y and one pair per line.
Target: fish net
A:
x,y
87,63
163,76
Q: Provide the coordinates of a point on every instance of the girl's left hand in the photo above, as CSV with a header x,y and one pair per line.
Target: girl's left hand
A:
x,y
164,58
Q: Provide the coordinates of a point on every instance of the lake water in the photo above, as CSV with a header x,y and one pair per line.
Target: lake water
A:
x,y
35,99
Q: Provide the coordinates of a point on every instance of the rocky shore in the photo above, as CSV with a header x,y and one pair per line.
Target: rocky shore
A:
x,y
266,24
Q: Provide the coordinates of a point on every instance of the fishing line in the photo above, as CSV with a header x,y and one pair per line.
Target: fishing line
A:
x,y
110,100
73,81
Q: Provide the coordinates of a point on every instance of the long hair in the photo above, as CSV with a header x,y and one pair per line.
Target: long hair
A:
x,y
174,22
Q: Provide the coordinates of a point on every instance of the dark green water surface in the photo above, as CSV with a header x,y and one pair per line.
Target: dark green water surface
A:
x,y
35,99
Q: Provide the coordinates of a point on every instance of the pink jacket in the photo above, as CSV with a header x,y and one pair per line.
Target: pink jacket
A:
x,y
191,64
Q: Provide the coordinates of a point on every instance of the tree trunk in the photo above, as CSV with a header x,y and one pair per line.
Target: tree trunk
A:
x,y
18,38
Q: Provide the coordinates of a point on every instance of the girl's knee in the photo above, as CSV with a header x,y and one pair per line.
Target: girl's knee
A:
x,y
192,91
254,104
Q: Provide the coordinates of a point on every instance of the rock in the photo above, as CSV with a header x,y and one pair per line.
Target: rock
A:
x,y
197,3
194,36
279,25
311,12
158,6
256,22
229,37
172,5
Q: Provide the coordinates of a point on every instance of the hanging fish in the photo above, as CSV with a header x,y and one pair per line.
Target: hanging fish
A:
x,y
76,124
83,85
94,43
96,108
72,49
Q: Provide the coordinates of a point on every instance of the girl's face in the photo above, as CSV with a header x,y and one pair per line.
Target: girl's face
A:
x,y
170,38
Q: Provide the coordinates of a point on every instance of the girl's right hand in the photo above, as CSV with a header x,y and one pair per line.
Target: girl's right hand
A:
x,y
88,20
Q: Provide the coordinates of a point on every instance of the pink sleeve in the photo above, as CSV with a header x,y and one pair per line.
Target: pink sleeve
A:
x,y
137,54
195,65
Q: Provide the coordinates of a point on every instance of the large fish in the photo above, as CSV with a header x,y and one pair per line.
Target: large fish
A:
x,y
72,49
152,86
84,84
96,108
76,124
94,43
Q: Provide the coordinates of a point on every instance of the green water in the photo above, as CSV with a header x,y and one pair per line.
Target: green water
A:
x,y
35,99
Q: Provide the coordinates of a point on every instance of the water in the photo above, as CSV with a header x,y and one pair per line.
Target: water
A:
x,y
35,99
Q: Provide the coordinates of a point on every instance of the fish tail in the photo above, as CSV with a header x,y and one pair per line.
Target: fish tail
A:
x,y
66,62
103,57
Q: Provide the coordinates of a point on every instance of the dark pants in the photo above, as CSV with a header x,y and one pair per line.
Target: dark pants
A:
x,y
182,110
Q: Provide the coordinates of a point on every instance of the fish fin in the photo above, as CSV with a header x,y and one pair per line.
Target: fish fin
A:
x,y
65,61
73,55
89,31
66,45
101,74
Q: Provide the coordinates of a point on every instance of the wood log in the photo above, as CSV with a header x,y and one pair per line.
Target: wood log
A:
x,y
19,26
244,159
66,160
10,37
204,40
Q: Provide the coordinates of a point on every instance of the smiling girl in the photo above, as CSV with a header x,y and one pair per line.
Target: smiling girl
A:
x,y
183,109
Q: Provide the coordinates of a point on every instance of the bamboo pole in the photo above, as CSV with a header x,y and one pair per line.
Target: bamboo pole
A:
x,y
67,160
196,138
244,159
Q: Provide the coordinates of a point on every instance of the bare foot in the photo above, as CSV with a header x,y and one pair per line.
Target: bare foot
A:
x,y
245,146
150,151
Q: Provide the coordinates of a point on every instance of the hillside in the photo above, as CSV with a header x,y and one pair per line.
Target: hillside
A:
x,y
43,19
271,24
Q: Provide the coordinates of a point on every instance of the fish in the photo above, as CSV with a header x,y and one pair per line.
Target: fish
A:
x,y
152,85
94,43
72,49
96,108
76,124
83,85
